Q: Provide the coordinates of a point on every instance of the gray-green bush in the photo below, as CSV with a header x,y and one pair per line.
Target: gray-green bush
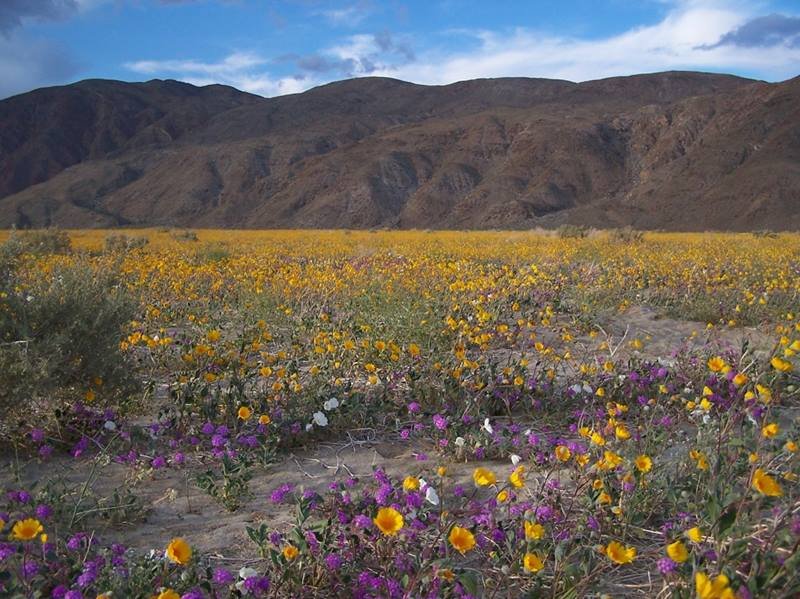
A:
x,y
573,231
626,235
59,335
40,241
120,243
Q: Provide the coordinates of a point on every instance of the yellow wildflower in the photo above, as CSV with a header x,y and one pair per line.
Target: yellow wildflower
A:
x,y
461,539
26,530
619,554
712,589
517,477
695,534
411,483
765,484
643,463
781,364
563,453
740,379
768,431
389,521
533,531
621,432
484,477
677,552
532,562
179,551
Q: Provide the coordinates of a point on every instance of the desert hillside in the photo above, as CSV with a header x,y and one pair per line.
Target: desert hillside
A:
x,y
675,150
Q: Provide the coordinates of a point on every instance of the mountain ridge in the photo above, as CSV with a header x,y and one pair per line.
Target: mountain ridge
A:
x,y
676,150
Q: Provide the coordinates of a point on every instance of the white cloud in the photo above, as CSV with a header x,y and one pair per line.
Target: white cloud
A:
x,y
354,47
684,39
26,64
236,62
674,43
240,70
349,16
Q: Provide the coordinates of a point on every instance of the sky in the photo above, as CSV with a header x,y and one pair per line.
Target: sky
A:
x,y
276,47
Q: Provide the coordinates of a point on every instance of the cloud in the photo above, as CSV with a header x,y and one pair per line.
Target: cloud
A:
x,y
317,63
241,70
27,64
770,30
238,61
356,55
387,43
369,53
179,2
683,39
14,12
690,36
349,16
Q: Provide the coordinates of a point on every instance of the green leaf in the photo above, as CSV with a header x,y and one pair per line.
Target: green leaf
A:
x,y
561,550
469,581
727,519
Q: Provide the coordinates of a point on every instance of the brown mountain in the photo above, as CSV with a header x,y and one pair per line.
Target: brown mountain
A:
x,y
677,150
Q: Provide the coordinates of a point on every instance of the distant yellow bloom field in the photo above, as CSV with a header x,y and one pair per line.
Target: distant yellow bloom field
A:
x,y
727,278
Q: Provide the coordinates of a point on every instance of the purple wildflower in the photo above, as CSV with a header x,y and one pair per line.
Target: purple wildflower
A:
x,y
222,576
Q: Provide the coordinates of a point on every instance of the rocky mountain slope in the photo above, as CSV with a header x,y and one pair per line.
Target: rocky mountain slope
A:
x,y
676,150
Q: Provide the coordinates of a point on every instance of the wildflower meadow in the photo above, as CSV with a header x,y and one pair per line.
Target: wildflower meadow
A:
x,y
209,414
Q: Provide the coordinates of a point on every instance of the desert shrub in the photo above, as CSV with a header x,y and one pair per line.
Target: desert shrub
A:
x,y
10,253
119,242
212,252
178,235
573,231
40,241
765,233
626,235
59,337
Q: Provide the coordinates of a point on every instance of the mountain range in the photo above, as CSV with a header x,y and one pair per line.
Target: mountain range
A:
x,y
673,150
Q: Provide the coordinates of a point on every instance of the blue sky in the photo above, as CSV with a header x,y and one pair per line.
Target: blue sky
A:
x,y
274,47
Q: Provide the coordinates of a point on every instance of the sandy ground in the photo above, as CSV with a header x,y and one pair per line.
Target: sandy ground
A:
x,y
175,506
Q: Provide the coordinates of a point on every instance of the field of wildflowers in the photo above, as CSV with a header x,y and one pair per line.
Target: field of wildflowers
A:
x,y
598,416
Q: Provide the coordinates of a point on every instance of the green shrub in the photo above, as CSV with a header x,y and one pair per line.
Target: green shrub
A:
x,y
212,252
767,233
60,336
573,231
626,235
120,243
40,241
183,235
